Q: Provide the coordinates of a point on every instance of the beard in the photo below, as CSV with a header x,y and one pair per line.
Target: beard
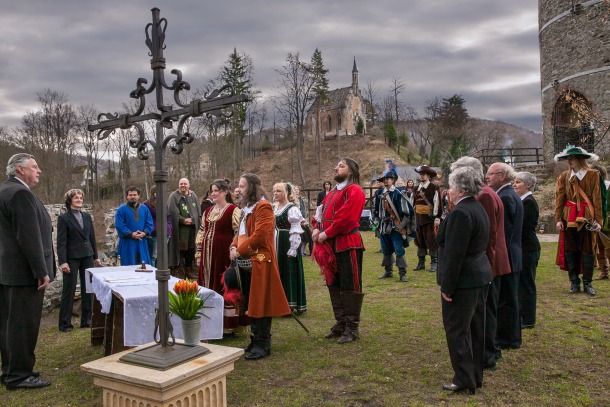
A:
x,y
340,178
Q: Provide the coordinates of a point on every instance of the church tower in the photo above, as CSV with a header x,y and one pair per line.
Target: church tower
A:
x,y
355,79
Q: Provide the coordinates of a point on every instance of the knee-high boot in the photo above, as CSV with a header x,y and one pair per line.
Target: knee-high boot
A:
x,y
573,263
262,340
588,262
388,261
421,259
433,261
352,302
335,300
401,263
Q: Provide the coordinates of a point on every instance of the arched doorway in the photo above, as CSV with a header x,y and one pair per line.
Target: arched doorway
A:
x,y
568,121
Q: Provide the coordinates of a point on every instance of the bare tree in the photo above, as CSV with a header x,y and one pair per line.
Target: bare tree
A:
x,y
397,88
49,134
294,95
95,150
370,94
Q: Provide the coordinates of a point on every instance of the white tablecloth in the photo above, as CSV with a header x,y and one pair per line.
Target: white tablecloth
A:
x,y
139,292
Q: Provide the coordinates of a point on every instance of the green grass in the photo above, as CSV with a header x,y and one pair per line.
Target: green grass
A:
x,y
401,359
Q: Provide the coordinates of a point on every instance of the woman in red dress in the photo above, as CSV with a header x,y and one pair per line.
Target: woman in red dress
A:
x,y
218,226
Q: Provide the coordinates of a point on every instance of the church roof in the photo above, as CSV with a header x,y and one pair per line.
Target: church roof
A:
x,y
336,99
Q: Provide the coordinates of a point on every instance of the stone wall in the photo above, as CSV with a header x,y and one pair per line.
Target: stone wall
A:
x,y
572,45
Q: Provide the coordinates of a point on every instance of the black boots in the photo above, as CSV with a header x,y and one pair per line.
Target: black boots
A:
x,y
421,263
388,261
261,345
433,261
352,301
335,299
588,262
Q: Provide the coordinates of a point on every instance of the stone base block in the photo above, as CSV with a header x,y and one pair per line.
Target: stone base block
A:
x,y
198,382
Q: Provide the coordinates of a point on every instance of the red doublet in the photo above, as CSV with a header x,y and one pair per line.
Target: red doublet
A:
x,y
341,214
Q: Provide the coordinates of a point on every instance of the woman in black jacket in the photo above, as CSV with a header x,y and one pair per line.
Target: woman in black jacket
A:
x,y
464,274
524,185
77,252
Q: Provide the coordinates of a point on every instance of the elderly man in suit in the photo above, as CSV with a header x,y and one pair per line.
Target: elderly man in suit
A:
x,y
500,177
27,266
77,251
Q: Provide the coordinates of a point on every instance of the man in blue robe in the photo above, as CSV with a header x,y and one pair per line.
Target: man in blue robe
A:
x,y
133,223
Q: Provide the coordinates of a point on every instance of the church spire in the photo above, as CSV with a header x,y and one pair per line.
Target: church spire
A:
x,y
355,78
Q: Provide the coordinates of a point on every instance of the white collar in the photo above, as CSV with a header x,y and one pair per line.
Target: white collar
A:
x,y
248,209
580,174
22,181
341,185
503,186
423,185
462,198
525,195
392,188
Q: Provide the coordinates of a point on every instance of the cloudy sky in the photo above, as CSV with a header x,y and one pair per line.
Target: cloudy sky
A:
x,y
94,51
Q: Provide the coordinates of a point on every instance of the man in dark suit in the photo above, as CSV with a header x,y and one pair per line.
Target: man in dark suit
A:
x,y
27,266
500,177
77,251
464,274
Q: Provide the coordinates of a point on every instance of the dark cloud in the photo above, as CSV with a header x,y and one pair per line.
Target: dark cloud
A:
x,y
94,51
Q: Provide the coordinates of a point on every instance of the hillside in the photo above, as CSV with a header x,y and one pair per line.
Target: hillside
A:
x,y
281,165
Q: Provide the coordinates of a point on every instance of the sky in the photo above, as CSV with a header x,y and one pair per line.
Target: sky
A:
x,y
94,51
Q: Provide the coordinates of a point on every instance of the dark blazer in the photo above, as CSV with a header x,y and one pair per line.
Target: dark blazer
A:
x,y
26,242
529,240
74,242
462,239
513,224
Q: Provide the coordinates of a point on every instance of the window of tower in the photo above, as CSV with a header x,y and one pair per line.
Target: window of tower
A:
x,y
570,122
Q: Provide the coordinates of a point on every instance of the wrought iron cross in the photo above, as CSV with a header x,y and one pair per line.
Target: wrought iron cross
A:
x,y
165,354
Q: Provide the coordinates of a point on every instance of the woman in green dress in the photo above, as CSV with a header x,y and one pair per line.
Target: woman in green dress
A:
x,y
288,232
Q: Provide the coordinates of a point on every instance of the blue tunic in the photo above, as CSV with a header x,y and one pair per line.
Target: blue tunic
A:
x,y
126,224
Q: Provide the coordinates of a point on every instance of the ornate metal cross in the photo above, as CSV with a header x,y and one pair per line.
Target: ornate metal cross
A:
x,y
165,354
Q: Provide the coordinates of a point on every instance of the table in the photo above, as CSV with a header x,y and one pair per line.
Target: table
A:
x,y
134,293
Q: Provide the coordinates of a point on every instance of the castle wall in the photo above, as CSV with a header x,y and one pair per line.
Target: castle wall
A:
x,y
574,54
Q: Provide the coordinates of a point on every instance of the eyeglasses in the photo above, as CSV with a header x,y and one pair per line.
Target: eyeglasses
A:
x,y
494,173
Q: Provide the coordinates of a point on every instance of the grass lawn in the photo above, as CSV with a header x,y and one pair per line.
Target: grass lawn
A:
x,y
401,359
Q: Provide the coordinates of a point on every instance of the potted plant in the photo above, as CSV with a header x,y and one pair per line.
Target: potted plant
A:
x,y
186,303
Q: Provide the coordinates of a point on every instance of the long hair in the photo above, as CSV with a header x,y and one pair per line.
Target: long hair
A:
x,y
224,185
255,190
288,190
354,168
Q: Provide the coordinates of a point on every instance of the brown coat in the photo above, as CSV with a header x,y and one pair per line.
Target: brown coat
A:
x,y
267,297
565,190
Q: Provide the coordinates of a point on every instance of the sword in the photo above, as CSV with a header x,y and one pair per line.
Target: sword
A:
x,y
294,315
592,227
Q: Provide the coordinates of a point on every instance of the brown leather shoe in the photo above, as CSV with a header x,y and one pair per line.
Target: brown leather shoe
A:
x,y
603,275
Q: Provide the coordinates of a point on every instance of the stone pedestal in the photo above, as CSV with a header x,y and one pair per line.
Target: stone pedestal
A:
x,y
198,382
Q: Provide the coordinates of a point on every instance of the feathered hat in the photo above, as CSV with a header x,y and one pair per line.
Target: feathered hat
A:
x,y
571,150
390,171
424,169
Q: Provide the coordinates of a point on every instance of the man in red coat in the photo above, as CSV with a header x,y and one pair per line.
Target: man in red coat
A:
x,y
497,255
336,223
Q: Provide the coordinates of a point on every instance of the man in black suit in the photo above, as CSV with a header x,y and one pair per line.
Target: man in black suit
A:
x,y
464,274
500,177
77,251
27,266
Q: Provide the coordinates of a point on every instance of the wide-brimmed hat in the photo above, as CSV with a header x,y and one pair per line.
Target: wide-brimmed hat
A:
x,y
390,173
424,169
571,150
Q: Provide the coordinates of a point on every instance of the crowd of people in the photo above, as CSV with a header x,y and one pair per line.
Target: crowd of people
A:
x,y
480,235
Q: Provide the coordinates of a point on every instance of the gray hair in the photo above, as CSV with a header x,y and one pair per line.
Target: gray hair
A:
x,y
17,160
471,162
509,172
528,179
466,180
